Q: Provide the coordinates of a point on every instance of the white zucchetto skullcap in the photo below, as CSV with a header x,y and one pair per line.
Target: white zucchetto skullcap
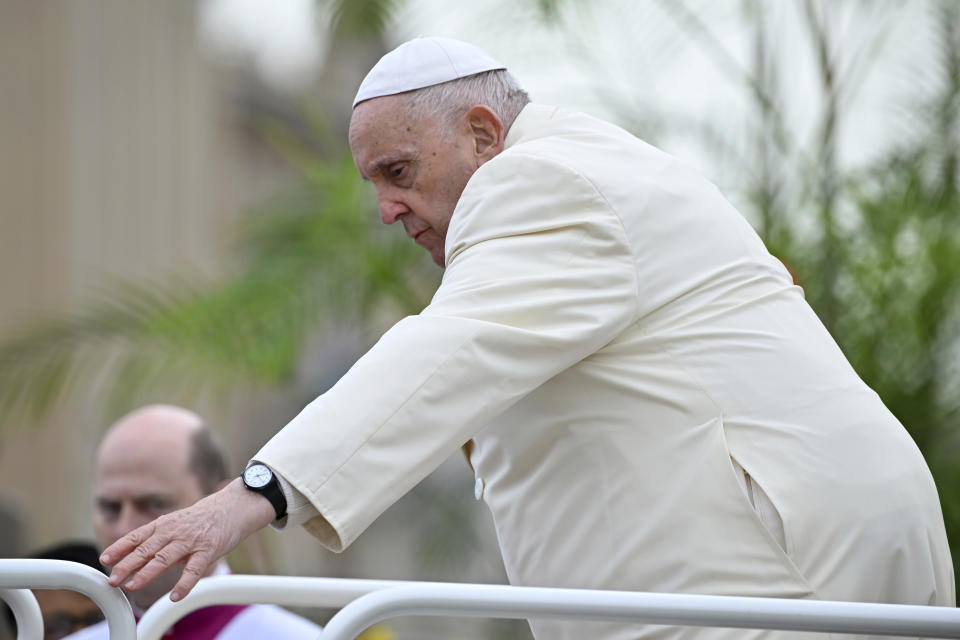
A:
x,y
423,62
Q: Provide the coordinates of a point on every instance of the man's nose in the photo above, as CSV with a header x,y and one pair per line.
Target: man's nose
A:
x,y
390,210
128,520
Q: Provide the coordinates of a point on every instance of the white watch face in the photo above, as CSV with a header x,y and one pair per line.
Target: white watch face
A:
x,y
257,476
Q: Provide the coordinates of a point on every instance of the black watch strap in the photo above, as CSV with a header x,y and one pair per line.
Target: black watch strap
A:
x,y
260,479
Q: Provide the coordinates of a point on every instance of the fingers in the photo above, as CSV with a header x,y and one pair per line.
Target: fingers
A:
x,y
136,549
163,559
195,569
152,556
196,536
126,544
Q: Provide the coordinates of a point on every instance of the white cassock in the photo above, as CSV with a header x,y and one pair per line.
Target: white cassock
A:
x,y
649,403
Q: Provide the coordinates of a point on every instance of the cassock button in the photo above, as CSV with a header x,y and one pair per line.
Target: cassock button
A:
x,y
478,488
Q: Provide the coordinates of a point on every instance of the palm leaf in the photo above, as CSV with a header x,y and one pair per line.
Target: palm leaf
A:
x,y
316,252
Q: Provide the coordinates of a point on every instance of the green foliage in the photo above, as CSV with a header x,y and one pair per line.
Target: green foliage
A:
x,y
362,17
882,268
896,309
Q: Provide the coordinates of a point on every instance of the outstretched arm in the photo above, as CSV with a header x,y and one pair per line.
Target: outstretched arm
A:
x,y
197,537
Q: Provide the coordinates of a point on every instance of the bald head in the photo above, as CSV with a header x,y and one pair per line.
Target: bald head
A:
x,y
173,432
152,461
162,429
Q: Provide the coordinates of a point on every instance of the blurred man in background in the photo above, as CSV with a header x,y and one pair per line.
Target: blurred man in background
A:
x,y
156,460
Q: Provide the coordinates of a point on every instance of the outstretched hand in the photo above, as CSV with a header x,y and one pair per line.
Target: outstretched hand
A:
x,y
196,536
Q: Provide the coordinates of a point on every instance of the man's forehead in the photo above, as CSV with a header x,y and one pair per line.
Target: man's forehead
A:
x,y
139,469
378,142
124,483
378,115
141,461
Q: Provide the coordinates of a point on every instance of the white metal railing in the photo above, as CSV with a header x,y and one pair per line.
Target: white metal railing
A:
x,y
651,608
26,613
366,602
17,575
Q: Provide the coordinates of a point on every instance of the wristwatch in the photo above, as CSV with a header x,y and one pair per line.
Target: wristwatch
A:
x,y
259,478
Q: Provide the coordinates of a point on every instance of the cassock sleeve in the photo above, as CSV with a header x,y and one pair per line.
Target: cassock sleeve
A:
x,y
539,276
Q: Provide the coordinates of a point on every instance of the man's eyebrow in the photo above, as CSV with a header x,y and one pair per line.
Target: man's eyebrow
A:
x,y
384,162
139,498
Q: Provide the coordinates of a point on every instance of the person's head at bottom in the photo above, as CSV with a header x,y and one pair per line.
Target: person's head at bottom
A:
x,y
152,461
64,610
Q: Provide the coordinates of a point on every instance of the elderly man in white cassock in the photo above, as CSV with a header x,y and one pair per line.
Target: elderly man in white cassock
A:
x,y
644,397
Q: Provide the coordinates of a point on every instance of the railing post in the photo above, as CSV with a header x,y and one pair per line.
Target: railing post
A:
x,y
26,612
60,574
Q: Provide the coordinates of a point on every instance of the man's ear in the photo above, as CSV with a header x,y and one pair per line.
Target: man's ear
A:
x,y
487,132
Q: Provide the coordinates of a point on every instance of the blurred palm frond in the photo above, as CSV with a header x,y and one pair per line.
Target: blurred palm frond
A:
x,y
362,17
314,253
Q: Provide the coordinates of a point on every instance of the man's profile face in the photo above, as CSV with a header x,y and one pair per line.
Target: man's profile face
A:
x,y
419,168
138,477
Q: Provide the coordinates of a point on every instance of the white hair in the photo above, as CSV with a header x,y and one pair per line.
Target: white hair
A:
x,y
447,101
